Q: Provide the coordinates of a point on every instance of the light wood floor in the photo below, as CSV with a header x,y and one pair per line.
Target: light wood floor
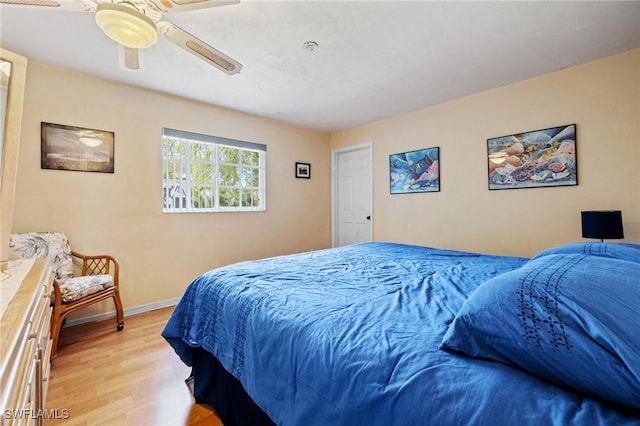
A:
x,y
132,377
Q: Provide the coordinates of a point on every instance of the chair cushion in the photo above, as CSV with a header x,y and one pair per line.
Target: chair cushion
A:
x,y
73,289
52,245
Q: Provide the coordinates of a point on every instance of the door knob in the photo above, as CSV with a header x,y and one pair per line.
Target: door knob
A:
x,y
369,217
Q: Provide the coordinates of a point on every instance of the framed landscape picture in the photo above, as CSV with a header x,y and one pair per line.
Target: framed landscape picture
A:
x,y
415,171
303,170
537,158
76,148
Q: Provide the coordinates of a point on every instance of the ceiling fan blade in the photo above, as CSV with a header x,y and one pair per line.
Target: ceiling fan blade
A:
x,y
129,59
199,48
66,5
175,6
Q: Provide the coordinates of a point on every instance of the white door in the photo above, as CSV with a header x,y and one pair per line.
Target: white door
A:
x,y
352,194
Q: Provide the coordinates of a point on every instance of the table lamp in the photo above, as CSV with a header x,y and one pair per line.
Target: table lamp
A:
x,y
602,224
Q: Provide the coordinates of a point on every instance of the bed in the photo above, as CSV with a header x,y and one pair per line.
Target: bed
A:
x,y
393,334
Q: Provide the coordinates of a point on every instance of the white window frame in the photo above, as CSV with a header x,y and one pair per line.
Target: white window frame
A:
x,y
186,185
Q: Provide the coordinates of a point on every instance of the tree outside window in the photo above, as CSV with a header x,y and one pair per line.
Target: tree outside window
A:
x,y
210,174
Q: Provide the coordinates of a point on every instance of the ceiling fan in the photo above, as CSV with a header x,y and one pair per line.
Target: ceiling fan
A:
x,y
136,24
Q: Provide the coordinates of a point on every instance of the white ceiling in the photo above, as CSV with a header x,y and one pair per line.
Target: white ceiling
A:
x,y
375,59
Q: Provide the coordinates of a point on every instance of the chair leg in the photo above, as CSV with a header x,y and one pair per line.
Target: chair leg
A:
x,y
56,325
119,310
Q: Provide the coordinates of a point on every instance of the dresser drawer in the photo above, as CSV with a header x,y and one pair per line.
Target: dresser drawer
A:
x,y
25,348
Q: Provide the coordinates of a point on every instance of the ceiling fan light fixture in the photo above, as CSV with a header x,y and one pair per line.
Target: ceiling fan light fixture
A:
x,y
126,26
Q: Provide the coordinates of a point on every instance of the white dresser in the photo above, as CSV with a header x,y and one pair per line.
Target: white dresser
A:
x,y
25,341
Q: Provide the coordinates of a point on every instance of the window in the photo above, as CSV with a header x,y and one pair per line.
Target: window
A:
x,y
203,173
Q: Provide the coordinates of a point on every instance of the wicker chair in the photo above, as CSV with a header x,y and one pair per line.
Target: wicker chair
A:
x,y
97,281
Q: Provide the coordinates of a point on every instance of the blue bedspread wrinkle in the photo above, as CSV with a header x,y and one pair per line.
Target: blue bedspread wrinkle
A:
x,y
350,336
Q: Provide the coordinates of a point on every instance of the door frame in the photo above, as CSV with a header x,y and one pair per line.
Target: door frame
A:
x,y
335,153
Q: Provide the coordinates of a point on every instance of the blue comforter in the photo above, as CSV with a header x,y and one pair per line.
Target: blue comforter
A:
x,y
351,336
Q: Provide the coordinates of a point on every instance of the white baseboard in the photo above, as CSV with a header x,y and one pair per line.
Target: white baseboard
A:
x,y
127,312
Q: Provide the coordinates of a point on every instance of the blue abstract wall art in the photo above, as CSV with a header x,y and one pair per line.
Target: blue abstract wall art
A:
x,y
415,171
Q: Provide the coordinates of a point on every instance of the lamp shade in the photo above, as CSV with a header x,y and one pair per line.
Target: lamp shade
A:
x,y
602,224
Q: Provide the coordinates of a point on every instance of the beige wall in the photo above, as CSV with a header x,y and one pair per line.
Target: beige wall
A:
x,y
121,213
602,98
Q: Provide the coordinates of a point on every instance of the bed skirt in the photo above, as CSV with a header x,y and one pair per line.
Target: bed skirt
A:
x,y
214,386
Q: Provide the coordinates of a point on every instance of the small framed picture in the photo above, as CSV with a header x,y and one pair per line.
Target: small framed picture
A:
x,y
303,170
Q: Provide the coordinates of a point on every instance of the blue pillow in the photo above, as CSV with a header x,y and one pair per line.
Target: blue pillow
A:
x,y
623,251
572,319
